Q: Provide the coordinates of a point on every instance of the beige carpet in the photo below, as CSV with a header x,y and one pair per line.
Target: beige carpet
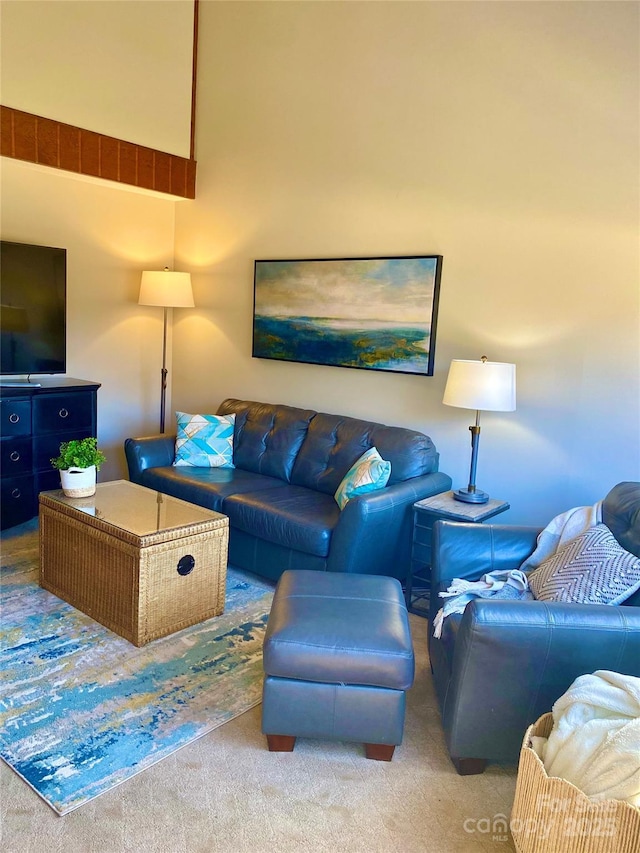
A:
x,y
227,793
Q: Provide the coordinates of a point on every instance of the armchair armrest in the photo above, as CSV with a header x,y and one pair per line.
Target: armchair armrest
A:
x,y
513,659
373,534
466,550
154,451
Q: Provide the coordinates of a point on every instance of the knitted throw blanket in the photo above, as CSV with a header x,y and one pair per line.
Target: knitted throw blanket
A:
x,y
513,583
510,583
561,530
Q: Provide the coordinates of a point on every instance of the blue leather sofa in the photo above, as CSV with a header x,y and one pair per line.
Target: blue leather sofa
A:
x,y
279,497
502,664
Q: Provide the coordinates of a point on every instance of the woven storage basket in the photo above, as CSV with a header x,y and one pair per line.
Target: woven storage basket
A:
x,y
551,815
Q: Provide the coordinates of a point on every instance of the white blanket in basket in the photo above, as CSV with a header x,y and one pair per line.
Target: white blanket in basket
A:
x,y
595,740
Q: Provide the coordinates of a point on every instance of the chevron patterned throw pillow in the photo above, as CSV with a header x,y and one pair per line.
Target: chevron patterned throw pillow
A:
x,y
204,441
593,568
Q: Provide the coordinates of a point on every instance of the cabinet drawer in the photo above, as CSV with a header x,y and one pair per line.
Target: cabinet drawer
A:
x,y
46,481
47,446
15,417
15,456
57,412
17,500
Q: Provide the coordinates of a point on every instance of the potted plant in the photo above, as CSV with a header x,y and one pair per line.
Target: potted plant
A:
x,y
78,461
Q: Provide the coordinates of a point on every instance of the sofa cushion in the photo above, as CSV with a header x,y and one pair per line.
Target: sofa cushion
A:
x,y
207,487
593,568
334,443
370,473
204,441
295,517
267,436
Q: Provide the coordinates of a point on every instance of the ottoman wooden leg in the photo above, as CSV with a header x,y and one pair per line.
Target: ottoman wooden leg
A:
x,y
379,751
469,766
281,743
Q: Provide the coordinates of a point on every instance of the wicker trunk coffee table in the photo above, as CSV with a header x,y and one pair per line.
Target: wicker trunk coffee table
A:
x,y
139,562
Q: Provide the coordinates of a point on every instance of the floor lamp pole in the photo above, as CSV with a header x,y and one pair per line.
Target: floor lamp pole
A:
x,y
165,289
163,381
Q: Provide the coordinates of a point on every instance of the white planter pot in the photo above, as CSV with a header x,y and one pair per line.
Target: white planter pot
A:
x,y
79,482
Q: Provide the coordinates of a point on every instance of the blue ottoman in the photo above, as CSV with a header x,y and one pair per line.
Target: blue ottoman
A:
x,y
338,659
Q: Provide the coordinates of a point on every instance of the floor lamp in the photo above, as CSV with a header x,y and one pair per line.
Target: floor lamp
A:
x,y
169,290
480,385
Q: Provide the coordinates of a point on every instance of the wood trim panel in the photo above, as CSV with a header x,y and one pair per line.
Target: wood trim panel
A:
x,y
194,76
24,136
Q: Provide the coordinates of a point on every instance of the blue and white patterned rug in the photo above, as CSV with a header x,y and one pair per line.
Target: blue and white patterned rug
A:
x,y
82,710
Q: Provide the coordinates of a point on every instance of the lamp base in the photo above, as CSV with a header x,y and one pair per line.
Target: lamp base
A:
x,y
475,497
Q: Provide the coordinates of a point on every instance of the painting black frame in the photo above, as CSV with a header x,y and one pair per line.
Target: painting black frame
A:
x,y
404,286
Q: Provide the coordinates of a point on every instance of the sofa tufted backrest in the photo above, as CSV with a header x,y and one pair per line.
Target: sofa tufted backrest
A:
x,y
333,443
316,450
267,437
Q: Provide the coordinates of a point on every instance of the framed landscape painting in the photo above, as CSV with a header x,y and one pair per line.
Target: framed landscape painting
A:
x,y
369,313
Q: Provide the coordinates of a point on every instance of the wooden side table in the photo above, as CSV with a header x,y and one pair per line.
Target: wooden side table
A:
x,y
425,513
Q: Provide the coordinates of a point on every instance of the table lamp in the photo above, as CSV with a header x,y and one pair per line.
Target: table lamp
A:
x,y
480,385
169,290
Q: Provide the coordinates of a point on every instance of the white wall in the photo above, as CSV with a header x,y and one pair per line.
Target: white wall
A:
x,y
123,69
111,234
119,68
503,136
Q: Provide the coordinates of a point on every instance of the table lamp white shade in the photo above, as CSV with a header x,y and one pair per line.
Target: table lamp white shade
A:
x,y
488,386
483,385
166,288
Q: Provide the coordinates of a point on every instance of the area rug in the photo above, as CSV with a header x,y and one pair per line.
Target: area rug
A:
x,y
82,710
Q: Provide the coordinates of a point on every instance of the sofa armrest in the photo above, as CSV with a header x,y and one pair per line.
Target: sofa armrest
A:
x,y
373,534
513,659
154,451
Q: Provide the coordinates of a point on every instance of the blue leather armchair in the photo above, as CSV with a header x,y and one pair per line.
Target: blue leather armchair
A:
x,y
502,664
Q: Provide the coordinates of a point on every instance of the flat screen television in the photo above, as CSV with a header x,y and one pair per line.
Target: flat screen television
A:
x,y
33,289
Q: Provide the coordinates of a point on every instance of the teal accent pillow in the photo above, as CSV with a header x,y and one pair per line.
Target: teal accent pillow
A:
x,y
205,441
369,473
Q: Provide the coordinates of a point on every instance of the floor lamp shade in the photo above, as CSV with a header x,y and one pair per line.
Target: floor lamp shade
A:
x,y
480,385
166,289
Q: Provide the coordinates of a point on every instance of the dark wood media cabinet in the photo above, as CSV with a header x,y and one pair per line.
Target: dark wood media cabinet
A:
x,y
34,420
